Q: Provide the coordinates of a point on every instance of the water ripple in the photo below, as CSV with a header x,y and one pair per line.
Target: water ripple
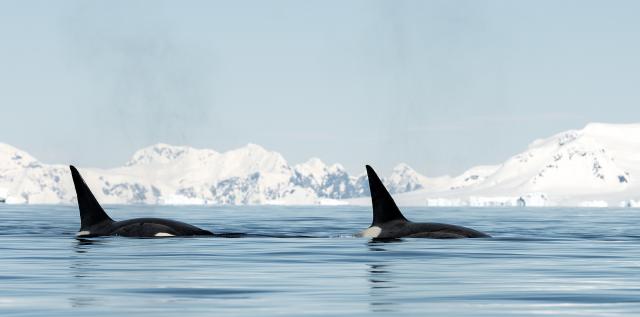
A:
x,y
289,261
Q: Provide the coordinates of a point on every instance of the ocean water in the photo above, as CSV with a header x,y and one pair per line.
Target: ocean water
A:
x,y
306,261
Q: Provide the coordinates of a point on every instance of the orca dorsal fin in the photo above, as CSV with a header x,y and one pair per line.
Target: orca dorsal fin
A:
x,y
91,212
384,208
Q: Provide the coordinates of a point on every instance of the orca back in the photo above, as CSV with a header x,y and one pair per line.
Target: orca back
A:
x,y
384,207
91,213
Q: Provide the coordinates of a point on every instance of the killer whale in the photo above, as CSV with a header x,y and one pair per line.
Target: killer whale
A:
x,y
389,223
95,222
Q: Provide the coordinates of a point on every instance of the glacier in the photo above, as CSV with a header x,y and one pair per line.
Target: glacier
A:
x,y
595,166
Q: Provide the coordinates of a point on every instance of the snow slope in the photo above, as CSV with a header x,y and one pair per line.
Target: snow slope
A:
x,y
596,166
166,174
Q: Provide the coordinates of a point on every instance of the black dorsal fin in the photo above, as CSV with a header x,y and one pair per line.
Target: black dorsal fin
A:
x,y
91,212
384,208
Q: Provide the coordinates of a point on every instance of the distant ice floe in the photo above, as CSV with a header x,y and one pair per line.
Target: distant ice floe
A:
x,y
594,203
528,200
181,200
320,202
630,203
303,196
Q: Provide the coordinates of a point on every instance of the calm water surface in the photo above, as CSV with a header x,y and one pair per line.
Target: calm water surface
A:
x,y
574,262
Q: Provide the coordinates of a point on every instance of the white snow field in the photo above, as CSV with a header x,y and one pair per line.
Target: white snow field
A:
x,y
593,167
166,174
598,166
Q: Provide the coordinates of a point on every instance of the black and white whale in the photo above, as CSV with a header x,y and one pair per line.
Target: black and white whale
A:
x,y
389,223
95,222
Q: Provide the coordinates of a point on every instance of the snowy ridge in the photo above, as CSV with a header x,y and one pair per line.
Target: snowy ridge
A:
x,y
596,166
167,174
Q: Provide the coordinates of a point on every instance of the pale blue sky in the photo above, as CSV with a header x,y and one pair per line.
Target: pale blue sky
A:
x,y
440,85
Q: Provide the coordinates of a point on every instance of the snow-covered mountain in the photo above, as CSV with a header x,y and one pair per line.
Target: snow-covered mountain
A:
x,y
596,166
166,174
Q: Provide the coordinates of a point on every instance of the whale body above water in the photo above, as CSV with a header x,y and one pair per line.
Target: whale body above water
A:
x,y
95,222
389,223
